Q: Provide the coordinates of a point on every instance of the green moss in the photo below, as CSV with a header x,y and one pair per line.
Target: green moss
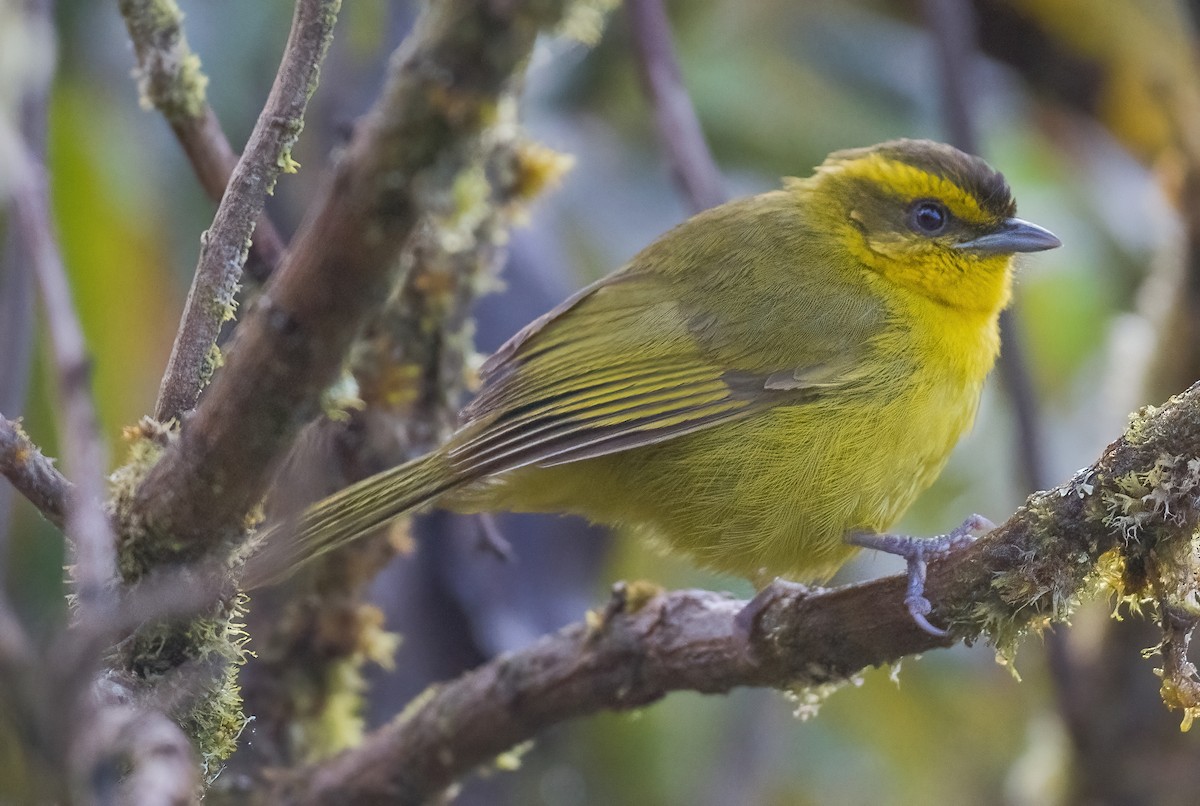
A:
x,y
199,660
185,97
510,761
1135,431
214,360
808,699
170,78
639,592
138,549
1140,503
328,699
178,653
336,722
286,164
584,20
216,719
331,12
417,704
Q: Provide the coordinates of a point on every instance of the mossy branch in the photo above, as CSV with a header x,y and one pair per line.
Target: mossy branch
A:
x,y
1140,499
225,246
441,93
313,637
171,80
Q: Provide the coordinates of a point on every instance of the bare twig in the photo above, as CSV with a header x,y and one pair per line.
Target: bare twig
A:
x,y
678,127
32,474
1024,574
223,252
170,80
1013,364
441,93
952,24
16,267
86,523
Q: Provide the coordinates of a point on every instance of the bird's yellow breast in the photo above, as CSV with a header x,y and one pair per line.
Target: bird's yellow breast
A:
x,y
803,476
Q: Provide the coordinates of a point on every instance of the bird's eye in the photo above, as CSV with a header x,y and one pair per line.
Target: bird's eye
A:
x,y
929,217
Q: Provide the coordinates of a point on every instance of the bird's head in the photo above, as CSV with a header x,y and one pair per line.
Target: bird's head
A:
x,y
927,217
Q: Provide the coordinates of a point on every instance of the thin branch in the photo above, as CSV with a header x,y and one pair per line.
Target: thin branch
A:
x,y
953,27
17,294
441,93
1013,364
223,251
83,447
32,474
171,81
679,129
1023,575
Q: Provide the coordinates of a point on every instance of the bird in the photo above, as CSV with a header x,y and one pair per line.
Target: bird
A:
x,y
765,388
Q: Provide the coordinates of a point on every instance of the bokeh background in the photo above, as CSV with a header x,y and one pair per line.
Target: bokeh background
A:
x,y
1091,108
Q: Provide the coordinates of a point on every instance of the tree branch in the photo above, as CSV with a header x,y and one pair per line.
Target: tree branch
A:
x,y
50,688
17,286
86,522
32,474
1028,572
410,368
224,247
440,95
171,81
679,129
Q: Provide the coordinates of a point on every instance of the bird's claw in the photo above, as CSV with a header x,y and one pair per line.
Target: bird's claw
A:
x,y
918,608
917,552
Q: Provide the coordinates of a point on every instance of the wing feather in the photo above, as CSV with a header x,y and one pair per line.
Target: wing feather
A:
x,y
638,357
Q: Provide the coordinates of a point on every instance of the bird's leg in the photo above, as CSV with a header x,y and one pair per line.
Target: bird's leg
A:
x,y
917,552
746,619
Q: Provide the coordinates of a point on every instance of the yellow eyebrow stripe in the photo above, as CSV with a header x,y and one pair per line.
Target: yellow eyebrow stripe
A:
x,y
913,183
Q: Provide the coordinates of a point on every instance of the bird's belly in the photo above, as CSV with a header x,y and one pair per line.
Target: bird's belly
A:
x,y
773,494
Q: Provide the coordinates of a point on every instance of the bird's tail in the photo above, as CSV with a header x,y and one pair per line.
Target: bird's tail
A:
x,y
347,515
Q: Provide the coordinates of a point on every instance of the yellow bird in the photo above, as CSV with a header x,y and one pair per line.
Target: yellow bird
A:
x,y
764,388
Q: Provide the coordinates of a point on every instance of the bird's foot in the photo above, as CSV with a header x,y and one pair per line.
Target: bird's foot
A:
x,y
746,620
917,552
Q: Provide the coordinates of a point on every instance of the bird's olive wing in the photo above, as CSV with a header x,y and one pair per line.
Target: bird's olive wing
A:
x,y
620,365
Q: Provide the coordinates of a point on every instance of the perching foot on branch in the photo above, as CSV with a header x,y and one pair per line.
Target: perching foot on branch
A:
x,y
917,552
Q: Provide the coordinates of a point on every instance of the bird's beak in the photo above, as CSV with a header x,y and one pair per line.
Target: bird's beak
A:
x,y
1014,235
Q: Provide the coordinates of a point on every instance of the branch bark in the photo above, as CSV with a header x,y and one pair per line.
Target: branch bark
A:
x,y
17,286
32,474
171,81
312,636
87,524
441,93
1028,572
224,247
679,129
